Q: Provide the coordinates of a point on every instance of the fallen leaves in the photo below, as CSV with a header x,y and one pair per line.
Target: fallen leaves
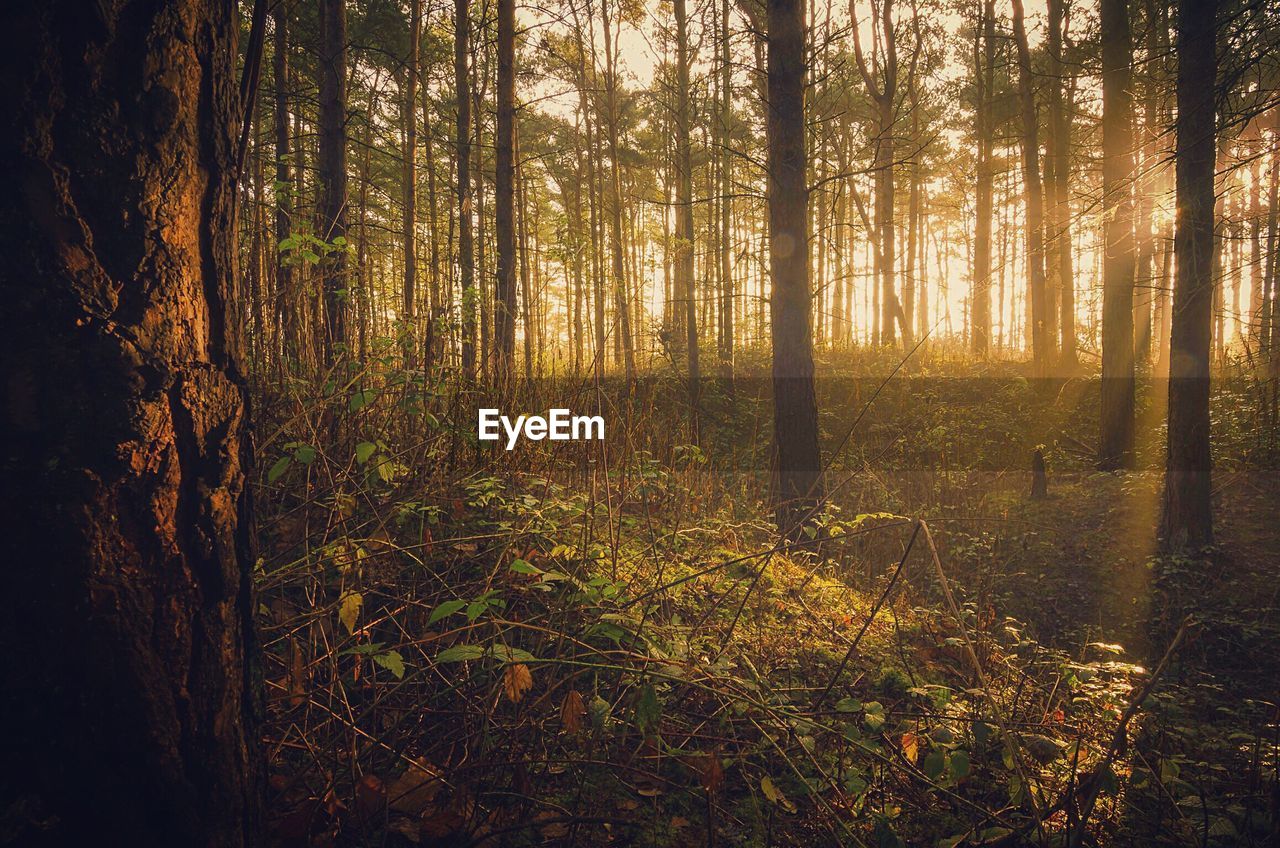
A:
x,y
572,711
516,681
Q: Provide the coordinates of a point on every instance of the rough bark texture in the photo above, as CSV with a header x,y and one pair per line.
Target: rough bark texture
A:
x,y
286,294
1117,415
130,698
795,407
1187,521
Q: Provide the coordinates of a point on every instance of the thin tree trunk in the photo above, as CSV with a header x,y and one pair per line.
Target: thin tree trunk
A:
x,y
684,214
504,196
332,167
410,187
1032,190
466,252
984,74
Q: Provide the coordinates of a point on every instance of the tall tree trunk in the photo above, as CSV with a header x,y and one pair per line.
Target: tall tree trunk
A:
x,y
684,213
984,74
332,166
795,406
1187,520
1059,153
728,289
504,303
622,309
1033,193
286,293
132,695
408,310
466,251
1117,415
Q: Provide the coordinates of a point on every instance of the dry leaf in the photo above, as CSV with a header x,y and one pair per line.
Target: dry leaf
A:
x,y
712,772
516,680
415,790
572,711
910,746
371,796
297,674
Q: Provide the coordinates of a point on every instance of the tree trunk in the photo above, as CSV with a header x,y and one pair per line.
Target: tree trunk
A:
x,y
132,695
1033,194
466,251
504,303
332,166
410,187
1059,153
984,74
684,213
1187,520
1117,414
728,290
623,312
286,294
795,406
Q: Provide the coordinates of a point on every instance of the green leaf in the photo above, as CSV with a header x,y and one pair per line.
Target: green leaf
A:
x,y
360,399
848,705
392,662
775,796
304,454
511,655
648,709
445,610
934,764
364,450
349,606
460,653
959,765
281,466
519,566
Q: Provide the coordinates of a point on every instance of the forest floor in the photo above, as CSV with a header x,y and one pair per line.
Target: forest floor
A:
x,y
604,644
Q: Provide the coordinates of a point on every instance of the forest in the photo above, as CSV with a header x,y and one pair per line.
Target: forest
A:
x,y
597,422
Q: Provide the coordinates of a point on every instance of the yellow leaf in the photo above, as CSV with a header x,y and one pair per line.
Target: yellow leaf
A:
x,y
910,746
516,680
774,794
349,609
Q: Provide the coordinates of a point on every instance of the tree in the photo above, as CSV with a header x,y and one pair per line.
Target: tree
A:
x,y
684,210
1117,414
331,163
794,404
1033,195
286,305
504,195
1187,520
128,643
410,186
466,250
1057,180
984,63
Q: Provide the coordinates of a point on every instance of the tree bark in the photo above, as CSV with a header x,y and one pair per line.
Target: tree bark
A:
x,y
684,214
1117,414
984,73
795,406
132,696
1187,520
504,313
1033,194
332,166
410,187
466,251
